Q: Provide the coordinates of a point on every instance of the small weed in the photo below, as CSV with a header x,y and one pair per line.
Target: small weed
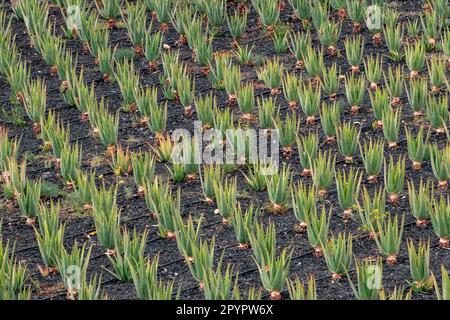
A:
x,y
15,116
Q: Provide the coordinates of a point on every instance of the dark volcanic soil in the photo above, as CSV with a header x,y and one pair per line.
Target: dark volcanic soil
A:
x,y
134,210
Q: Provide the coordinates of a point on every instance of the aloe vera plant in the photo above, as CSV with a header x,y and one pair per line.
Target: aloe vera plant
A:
x,y
394,38
412,28
237,24
307,149
354,49
204,107
256,177
231,81
187,236
398,293
436,69
108,130
356,11
15,184
440,164
128,80
302,11
83,188
444,292
218,70
204,52
78,257
354,92
431,26
347,186
244,55
164,148
338,253
153,190
319,13
50,236
8,149
158,119
106,215
266,111
70,163
278,189
369,276
268,12
389,238
165,10
180,20
109,10
152,48
323,169
394,85
330,118
297,290
372,210
287,132
390,16
243,223
13,275
35,17
98,39
417,95
202,260
121,161
437,113
309,101
143,165
419,265
330,81
226,198
313,62
347,140
391,126
290,84
299,43
35,99
317,228
418,147
145,278
263,243
415,58
274,276
135,21
446,46
394,178
168,210
303,202
380,103
219,285
17,77
373,158
28,200
91,289
194,30
280,38
373,67
440,217
272,75
106,58
212,175
246,101
329,33
84,97
145,99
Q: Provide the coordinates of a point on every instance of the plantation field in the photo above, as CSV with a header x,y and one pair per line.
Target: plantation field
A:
x,y
91,93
